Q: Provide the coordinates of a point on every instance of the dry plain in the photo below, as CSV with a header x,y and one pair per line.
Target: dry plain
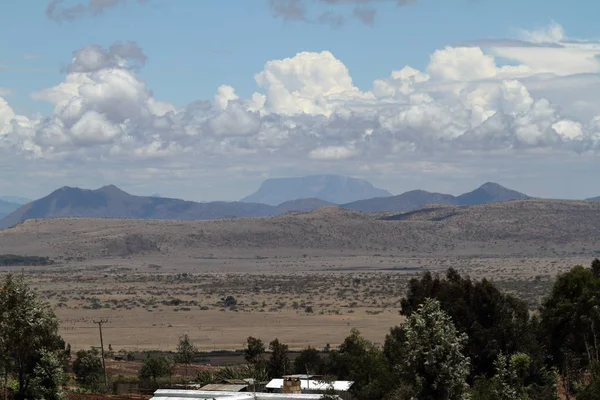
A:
x,y
306,278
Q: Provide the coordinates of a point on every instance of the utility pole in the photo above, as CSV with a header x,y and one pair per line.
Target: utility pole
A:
x,y
102,321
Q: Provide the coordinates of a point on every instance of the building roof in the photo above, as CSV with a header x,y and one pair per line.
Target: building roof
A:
x,y
224,387
170,394
303,376
305,384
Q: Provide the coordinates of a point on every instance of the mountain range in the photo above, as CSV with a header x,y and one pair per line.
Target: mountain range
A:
x,y
487,193
331,188
112,202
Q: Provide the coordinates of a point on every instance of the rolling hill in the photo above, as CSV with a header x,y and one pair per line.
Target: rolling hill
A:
x,y
486,193
529,227
331,188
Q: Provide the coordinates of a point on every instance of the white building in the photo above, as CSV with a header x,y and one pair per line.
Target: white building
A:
x,y
169,394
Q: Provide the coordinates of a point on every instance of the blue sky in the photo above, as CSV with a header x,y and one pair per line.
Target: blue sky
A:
x,y
193,47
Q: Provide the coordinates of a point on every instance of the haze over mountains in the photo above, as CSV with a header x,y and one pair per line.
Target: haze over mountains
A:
x,y
112,202
331,188
7,208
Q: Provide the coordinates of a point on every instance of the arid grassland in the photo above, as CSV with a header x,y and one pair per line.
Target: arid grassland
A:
x,y
306,278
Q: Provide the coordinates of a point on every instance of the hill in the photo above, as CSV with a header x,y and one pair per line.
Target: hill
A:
x,y
489,192
7,208
112,202
517,228
594,198
331,188
486,193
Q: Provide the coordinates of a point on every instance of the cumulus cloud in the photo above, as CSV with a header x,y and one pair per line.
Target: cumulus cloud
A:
x,y
57,10
307,108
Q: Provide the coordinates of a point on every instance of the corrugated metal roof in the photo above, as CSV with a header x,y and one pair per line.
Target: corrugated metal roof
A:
x,y
224,387
170,394
341,386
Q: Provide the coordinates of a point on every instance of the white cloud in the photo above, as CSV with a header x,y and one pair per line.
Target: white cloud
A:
x,y
554,33
308,108
332,153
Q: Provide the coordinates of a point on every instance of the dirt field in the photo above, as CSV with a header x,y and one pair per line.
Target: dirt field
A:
x,y
306,301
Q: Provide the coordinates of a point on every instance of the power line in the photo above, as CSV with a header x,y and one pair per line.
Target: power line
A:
x,y
102,321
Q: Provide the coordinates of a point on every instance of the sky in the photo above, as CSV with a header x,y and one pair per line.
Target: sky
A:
x,y
204,99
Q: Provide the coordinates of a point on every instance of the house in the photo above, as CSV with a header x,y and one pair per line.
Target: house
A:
x,y
170,394
308,384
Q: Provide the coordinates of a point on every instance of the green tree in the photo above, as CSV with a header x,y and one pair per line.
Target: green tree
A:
x,y
570,323
185,352
153,369
433,366
88,369
494,322
31,349
508,382
359,360
254,351
591,391
309,361
279,362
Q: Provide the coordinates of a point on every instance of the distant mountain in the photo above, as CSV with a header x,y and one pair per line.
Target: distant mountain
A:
x,y
7,207
594,198
404,202
487,193
331,188
301,205
112,202
14,199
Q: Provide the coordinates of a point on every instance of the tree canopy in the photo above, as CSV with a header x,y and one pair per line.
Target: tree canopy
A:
x,y
31,348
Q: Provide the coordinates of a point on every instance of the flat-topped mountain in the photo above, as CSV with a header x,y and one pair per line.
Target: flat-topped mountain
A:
x,y
331,188
487,193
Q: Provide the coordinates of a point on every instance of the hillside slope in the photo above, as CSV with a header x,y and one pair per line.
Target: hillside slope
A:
x,y
520,227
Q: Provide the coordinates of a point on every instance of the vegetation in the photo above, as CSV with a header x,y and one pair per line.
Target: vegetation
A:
x,y
433,364
279,362
462,339
153,369
309,361
254,352
185,352
23,261
31,350
88,369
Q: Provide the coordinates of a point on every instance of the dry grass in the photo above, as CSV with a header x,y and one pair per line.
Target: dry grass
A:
x,y
156,280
